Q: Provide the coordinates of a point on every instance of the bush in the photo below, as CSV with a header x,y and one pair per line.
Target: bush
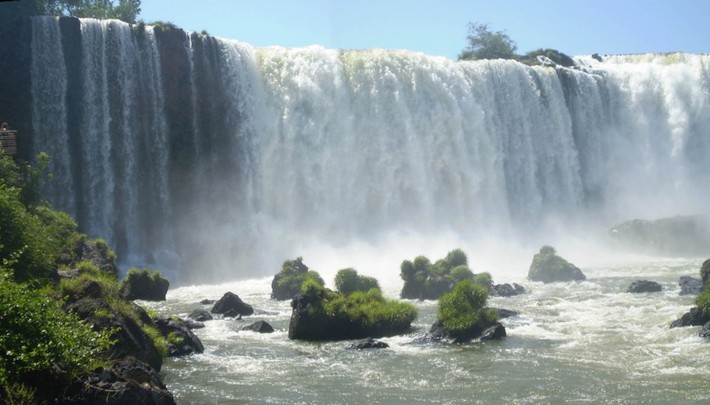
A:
x,y
703,300
486,44
348,281
424,280
35,335
287,283
461,309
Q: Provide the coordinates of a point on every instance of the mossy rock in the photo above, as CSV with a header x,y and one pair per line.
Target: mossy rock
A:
x,y
547,267
287,283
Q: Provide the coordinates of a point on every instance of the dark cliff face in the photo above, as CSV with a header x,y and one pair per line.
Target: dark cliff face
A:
x,y
15,74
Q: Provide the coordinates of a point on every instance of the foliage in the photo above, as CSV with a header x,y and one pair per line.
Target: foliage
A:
x,y
369,309
425,280
135,273
486,44
125,10
36,334
703,300
348,281
461,308
483,279
287,283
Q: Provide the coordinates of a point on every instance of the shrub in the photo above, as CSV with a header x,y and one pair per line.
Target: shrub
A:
x,y
484,280
35,335
424,280
348,281
486,44
460,309
287,283
703,300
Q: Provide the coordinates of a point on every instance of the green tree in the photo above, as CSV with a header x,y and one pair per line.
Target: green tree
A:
x,y
486,44
126,10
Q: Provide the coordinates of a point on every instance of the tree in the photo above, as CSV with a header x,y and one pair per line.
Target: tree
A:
x,y
125,10
486,44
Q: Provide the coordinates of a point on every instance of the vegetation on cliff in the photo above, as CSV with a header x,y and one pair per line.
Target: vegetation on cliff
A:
x,y
125,10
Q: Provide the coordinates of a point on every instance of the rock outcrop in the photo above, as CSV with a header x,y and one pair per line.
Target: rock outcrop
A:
x,y
142,285
547,267
181,340
231,305
506,290
368,343
481,331
644,286
259,327
690,285
694,317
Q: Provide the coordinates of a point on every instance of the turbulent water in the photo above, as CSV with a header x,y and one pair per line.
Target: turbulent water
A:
x,y
213,160
186,151
585,342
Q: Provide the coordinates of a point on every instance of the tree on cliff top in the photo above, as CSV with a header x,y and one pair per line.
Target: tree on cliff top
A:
x,y
125,10
486,44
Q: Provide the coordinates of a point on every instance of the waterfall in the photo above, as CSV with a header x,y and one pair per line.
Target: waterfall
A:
x,y
220,156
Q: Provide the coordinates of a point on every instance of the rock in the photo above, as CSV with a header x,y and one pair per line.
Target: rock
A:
x,y
310,322
496,331
368,343
231,305
687,236
705,331
181,340
192,324
690,285
705,272
259,327
547,267
507,290
97,252
694,317
129,339
644,286
207,302
482,331
127,381
200,315
142,285
506,313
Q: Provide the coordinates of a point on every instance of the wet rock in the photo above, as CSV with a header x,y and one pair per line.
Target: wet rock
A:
x,y
181,340
259,327
207,302
547,267
506,313
368,343
230,305
200,315
690,285
705,331
694,317
482,331
143,285
644,286
705,272
507,290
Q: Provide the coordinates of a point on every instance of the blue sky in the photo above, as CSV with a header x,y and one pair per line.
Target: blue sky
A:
x,y
439,27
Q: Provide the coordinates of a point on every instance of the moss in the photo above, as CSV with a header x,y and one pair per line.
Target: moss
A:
x,y
175,338
424,280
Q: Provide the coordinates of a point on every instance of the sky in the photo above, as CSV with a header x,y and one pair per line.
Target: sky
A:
x,y
439,27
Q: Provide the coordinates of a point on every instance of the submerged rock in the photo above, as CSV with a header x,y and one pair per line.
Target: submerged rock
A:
x,y
259,327
690,285
644,286
231,305
705,331
368,343
547,267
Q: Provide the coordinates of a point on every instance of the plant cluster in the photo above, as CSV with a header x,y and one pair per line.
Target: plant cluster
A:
x,y
287,283
703,300
426,280
358,314
348,281
464,307
483,43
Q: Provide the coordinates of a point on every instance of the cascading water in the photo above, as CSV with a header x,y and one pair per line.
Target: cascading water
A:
x,y
225,157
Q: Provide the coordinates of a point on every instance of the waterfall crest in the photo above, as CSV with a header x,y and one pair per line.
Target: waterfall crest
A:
x,y
179,147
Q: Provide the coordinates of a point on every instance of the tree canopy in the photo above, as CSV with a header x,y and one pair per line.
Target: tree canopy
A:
x,y
486,44
125,10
